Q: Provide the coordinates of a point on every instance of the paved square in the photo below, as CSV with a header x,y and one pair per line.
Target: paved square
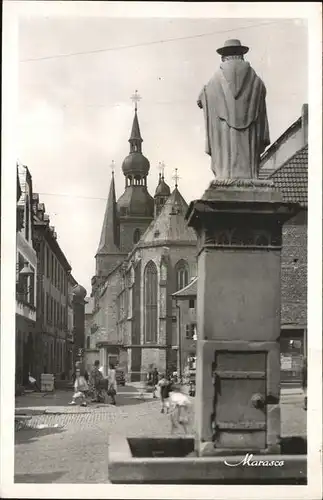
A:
x,y
70,444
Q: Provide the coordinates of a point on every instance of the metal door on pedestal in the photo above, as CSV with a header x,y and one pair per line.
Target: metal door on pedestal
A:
x,y
239,418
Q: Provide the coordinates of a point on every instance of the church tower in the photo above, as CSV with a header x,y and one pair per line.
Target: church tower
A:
x,y
135,205
162,192
108,254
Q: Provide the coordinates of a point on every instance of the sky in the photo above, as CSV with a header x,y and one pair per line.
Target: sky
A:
x,y
75,112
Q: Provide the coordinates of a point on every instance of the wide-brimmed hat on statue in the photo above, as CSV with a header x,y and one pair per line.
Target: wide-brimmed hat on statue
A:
x,y
232,47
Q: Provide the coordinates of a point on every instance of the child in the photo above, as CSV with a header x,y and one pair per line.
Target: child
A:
x,y
165,388
179,409
80,387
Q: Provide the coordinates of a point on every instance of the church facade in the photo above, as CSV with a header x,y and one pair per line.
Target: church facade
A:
x,y
146,253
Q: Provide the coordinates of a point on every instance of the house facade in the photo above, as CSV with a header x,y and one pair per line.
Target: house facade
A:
x,y
26,279
52,295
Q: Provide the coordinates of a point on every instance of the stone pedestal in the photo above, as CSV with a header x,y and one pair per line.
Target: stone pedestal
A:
x,y
239,231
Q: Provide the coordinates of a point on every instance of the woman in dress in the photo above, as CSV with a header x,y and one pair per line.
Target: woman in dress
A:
x,y
112,379
80,388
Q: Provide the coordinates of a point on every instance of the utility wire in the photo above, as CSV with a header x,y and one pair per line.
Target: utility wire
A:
x,y
72,196
167,40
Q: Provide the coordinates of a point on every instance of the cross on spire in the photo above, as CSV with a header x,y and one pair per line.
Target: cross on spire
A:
x,y
176,177
161,167
112,167
135,99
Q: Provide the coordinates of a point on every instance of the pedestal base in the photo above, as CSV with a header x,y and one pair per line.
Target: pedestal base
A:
x,y
239,227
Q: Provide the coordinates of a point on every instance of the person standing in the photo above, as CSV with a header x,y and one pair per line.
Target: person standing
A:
x,y
165,388
80,387
155,378
95,380
112,379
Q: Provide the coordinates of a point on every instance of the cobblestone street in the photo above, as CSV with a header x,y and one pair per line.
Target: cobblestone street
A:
x,y
76,449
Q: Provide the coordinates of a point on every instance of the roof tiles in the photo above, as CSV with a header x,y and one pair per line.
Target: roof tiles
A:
x,y
292,178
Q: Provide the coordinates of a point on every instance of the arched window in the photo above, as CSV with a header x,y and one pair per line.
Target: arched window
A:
x,y
181,270
136,235
150,301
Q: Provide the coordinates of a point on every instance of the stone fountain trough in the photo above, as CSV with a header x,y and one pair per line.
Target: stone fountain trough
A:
x,y
174,461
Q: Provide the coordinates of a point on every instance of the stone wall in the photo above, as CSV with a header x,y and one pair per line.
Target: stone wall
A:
x,y
127,228
155,357
106,316
294,272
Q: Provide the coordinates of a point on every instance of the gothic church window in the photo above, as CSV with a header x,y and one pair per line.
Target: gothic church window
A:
x,y
181,274
150,302
136,235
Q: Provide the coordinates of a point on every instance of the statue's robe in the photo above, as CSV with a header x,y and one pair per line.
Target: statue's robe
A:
x,y
234,105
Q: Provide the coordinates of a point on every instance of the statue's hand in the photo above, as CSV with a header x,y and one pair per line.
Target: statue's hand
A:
x,y
199,103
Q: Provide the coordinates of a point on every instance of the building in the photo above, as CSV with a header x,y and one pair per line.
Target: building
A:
x,y
92,352
185,300
26,278
286,163
78,302
70,345
53,271
146,253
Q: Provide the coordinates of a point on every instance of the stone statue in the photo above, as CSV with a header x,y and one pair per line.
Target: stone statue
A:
x,y
234,105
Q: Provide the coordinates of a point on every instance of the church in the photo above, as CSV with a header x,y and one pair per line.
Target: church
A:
x,y
145,254
142,310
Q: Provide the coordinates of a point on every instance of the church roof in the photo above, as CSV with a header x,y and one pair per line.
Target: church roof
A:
x,y
109,241
170,224
136,201
188,291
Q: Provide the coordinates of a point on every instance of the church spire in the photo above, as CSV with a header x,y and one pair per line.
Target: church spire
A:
x,y
135,136
109,241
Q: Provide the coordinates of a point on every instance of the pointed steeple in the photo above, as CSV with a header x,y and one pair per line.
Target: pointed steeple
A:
x,y
135,136
109,241
135,166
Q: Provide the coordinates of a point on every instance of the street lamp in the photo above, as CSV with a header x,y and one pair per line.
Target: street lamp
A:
x,y
27,270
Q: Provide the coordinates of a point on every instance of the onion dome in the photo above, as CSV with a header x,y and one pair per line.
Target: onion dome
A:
x,y
135,163
162,189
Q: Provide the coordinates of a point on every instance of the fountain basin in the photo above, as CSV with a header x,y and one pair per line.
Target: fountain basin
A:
x,y
173,461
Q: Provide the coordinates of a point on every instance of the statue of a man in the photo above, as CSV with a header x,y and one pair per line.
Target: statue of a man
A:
x,y
234,105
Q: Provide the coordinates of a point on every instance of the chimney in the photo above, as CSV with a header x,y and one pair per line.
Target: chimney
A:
x,y
305,123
